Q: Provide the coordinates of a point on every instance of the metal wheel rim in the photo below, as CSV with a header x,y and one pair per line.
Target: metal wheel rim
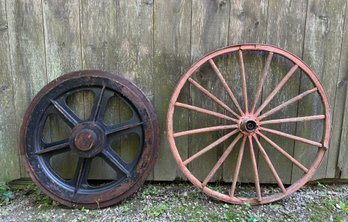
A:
x,y
117,190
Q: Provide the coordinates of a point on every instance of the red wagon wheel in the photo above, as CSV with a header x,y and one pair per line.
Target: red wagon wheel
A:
x,y
246,116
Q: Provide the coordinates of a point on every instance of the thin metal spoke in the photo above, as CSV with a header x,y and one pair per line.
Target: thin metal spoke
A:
x,y
262,80
214,98
287,103
205,130
122,127
292,120
256,173
276,89
81,173
243,79
289,136
270,165
282,151
205,111
115,161
55,148
69,116
222,159
100,106
209,147
225,85
237,170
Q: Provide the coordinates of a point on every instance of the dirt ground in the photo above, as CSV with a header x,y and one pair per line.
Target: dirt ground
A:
x,y
182,202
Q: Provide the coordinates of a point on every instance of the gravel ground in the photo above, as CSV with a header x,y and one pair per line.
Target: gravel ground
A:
x,y
183,202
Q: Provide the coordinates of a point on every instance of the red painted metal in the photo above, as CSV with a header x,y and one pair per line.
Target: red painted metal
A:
x,y
249,124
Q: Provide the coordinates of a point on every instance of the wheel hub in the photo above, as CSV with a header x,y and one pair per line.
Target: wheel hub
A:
x,y
88,139
248,125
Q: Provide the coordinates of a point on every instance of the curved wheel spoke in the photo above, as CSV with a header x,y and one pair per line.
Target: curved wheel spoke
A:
x,y
205,111
214,98
237,170
225,85
54,148
287,103
69,116
209,147
282,151
100,105
289,136
294,119
276,89
243,79
222,159
262,80
256,173
129,125
270,165
115,161
81,173
205,130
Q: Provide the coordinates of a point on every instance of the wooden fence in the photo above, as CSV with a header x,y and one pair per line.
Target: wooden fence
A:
x,y
152,42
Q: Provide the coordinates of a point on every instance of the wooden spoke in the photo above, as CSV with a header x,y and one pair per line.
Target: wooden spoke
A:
x,y
204,130
256,174
237,170
287,103
214,98
289,136
243,79
277,88
225,85
205,111
294,119
262,80
221,160
282,151
270,165
209,147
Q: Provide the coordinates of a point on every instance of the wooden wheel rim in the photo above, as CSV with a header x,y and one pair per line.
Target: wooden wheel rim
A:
x,y
113,192
250,47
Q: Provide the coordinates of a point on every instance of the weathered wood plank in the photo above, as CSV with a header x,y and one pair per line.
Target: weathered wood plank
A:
x,y
8,129
285,25
99,51
172,57
342,163
63,55
209,31
323,37
248,23
27,54
134,41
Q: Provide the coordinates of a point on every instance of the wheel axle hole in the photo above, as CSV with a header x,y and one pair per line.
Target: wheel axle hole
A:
x,y
250,125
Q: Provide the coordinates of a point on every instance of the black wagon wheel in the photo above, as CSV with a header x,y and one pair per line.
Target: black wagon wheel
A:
x,y
88,139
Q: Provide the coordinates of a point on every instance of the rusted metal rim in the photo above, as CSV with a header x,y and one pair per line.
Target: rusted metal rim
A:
x,y
247,123
89,138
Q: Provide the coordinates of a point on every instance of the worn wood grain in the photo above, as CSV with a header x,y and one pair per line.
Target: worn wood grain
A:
x,y
209,32
99,51
285,25
27,54
248,23
8,145
134,42
342,165
172,25
322,46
